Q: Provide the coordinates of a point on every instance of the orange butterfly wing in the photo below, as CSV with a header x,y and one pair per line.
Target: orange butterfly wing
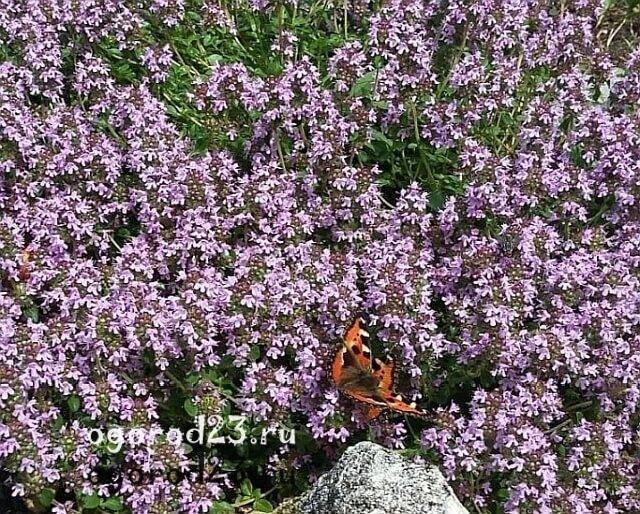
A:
x,y
384,373
354,352
397,404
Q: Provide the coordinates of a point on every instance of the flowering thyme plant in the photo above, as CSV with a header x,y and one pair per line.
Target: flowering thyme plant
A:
x,y
196,198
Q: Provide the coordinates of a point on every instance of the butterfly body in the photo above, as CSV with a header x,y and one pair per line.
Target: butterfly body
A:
x,y
354,378
365,379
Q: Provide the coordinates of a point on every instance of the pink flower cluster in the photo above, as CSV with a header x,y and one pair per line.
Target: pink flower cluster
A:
x,y
127,259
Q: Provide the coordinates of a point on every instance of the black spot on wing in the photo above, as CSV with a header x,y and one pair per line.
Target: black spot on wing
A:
x,y
347,358
355,350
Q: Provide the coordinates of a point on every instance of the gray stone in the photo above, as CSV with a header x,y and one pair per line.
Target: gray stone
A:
x,y
370,479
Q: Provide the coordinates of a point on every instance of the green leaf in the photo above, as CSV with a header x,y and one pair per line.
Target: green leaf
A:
x,y
246,488
214,58
32,313
364,85
228,465
190,408
192,378
502,494
114,503
436,200
262,505
46,496
194,16
254,353
222,507
124,73
376,135
172,110
91,502
74,403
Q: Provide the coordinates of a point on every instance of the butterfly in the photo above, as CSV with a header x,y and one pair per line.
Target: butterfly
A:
x,y
365,379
